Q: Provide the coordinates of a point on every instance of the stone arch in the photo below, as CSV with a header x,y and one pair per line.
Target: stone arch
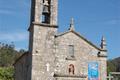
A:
x,y
71,69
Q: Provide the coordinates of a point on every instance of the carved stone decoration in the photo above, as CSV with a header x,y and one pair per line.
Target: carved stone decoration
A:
x,y
48,67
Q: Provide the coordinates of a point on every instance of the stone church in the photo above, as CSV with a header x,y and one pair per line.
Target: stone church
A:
x,y
58,56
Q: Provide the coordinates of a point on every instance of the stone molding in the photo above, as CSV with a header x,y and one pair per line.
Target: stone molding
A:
x,y
72,76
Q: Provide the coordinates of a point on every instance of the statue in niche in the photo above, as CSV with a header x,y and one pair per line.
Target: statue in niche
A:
x,y
71,69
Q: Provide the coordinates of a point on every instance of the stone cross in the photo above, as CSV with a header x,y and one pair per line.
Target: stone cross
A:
x,y
110,77
48,66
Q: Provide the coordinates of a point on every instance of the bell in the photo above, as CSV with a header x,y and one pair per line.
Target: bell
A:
x,y
45,9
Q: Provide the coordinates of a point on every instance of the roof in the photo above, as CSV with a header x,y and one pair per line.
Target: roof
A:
x,y
24,54
89,42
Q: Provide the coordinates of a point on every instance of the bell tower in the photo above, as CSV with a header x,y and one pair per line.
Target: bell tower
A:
x,y
43,27
44,11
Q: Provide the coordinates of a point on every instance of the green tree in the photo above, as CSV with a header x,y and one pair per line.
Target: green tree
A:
x,y
8,54
110,66
6,73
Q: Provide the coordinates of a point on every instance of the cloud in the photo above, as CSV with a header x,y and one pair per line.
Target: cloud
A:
x,y
6,12
19,8
19,48
14,37
112,21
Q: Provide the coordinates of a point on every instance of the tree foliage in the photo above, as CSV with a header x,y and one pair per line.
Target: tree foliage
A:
x,y
113,65
110,66
8,55
6,73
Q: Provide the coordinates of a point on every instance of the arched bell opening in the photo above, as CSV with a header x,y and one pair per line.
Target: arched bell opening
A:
x,y
46,11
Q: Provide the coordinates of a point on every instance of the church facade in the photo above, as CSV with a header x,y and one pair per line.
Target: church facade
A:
x,y
58,56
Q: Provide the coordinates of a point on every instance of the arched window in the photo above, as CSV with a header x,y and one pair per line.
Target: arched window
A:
x,y
71,69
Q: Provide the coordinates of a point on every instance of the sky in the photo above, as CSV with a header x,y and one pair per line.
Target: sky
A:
x,y
93,19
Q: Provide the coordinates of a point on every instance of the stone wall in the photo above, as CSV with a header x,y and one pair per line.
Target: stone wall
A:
x,y
83,52
42,52
21,68
48,49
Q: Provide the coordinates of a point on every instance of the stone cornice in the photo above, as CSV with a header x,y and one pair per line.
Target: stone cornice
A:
x,y
45,25
101,55
42,24
71,76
